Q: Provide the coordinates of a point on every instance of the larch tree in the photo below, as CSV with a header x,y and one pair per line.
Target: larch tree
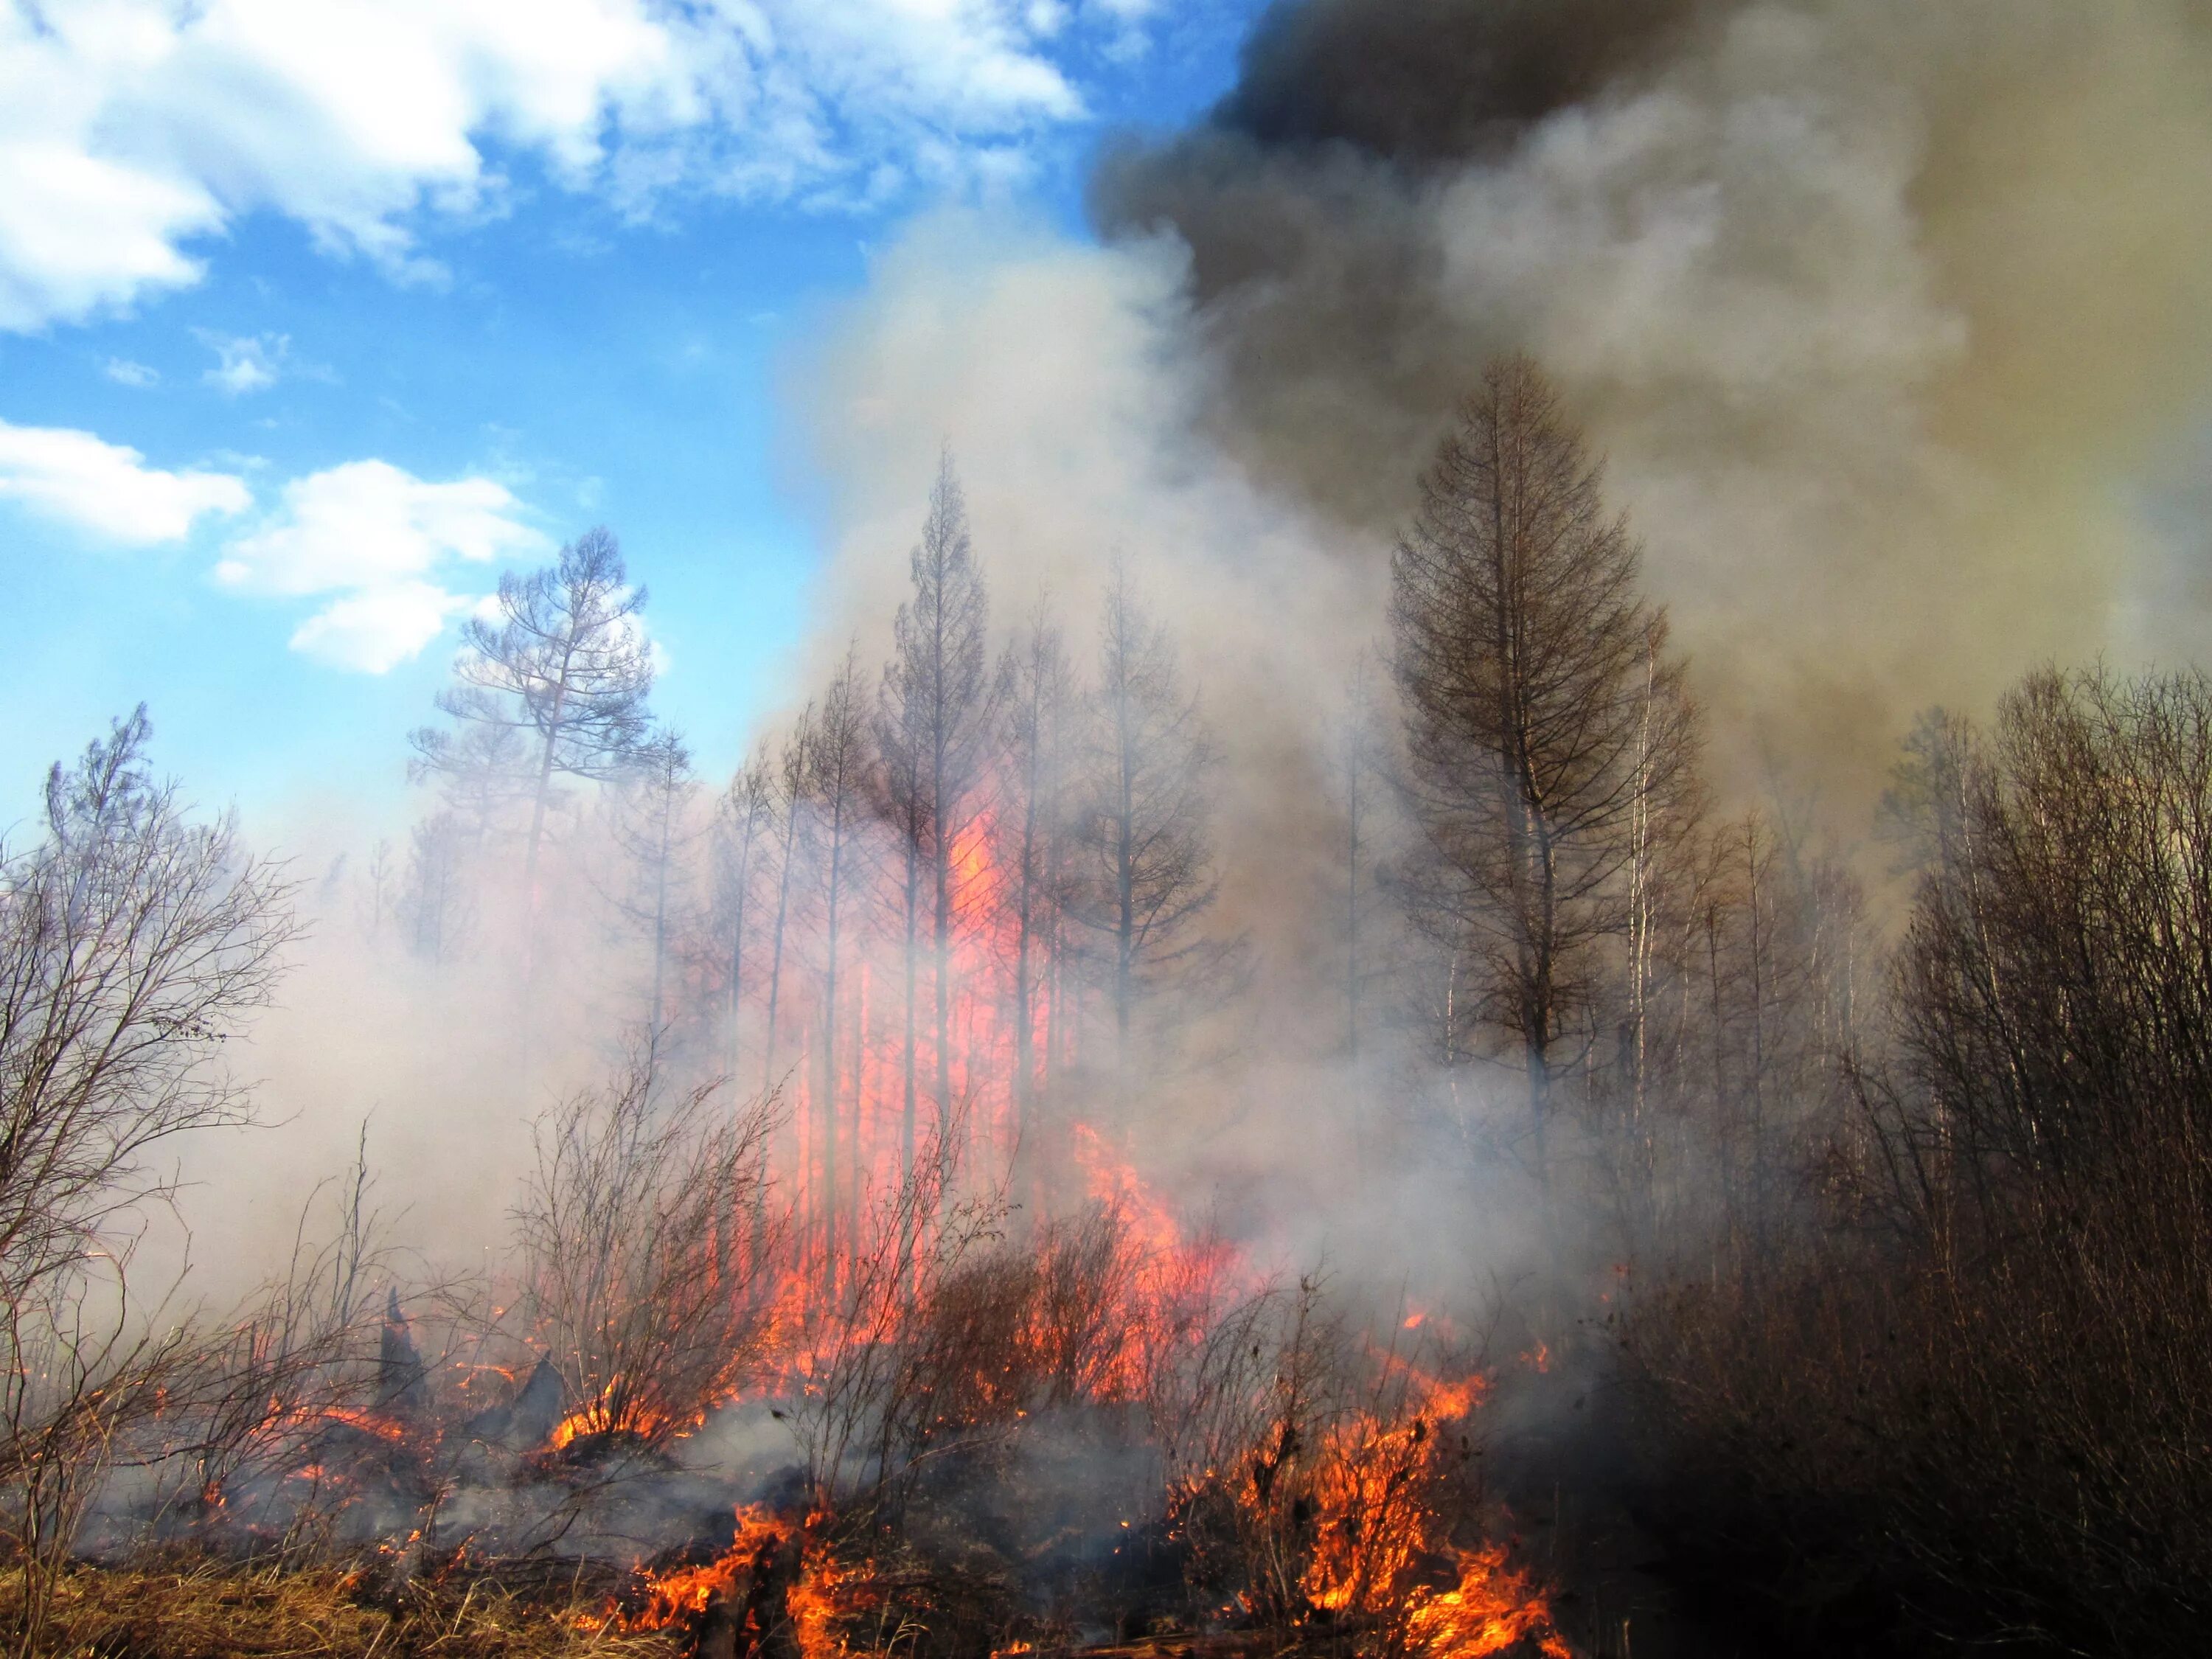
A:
x,y
746,820
651,823
434,903
1545,720
840,786
1358,771
1146,819
937,724
565,668
1038,705
790,791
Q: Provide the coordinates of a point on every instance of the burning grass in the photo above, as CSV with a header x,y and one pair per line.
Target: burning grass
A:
x,y
967,1430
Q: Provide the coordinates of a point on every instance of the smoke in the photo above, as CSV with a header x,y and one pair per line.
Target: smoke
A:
x,y
1894,321
1879,309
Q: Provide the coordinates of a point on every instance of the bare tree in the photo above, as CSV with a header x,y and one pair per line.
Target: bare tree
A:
x,y
379,895
743,837
1543,716
652,827
83,1370
1361,771
434,904
936,729
1146,818
1038,701
133,944
840,782
566,668
791,796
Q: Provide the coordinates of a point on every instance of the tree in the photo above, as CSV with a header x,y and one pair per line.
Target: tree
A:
x,y
839,782
631,1287
566,669
936,726
1038,703
434,903
133,943
1543,715
652,828
1145,822
791,793
745,830
1358,768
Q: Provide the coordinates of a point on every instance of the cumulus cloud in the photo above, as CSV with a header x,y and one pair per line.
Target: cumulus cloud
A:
x,y
377,631
107,490
130,129
377,539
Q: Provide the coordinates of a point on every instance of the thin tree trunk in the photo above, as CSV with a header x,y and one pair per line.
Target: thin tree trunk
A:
x,y
913,966
775,953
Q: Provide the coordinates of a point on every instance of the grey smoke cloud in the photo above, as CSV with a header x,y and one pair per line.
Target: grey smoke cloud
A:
x,y
1879,309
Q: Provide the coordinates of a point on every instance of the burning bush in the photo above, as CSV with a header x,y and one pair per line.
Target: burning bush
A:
x,y
647,1246
1322,1483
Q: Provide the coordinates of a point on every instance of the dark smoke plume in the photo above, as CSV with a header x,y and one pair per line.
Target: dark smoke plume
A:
x,y
1889,314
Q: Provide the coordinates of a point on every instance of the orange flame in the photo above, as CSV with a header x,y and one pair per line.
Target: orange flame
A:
x,y
816,1602
1492,1609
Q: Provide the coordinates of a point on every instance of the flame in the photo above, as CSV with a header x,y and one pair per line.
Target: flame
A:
x,y
683,1594
1371,1492
1492,1609
615,1411
387,1429
822,1594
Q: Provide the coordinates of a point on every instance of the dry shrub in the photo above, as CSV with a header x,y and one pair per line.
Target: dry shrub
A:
x,y
1973,1395
1319,1477
647,1249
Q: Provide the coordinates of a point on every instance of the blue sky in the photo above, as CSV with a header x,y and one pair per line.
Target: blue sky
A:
x,y
314,314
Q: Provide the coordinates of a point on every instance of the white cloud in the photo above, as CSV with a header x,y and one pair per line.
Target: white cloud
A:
x,y
246,362
124,371
130,128
379,539
106,490
374,632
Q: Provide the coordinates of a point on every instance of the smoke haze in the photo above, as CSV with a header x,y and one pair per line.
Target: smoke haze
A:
x,y
1883,314
1888,317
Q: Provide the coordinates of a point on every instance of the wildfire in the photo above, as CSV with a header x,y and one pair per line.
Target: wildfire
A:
x,y
743,1581
1372,1489
615,1411
1492,1609
683,1594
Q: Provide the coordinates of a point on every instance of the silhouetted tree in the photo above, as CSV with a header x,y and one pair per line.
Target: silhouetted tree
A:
x,y
1039,707
791,795
434,903
839,782
1543,712
936,727
1146,818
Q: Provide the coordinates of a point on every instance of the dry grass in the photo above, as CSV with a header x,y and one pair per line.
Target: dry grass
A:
x,y
211,1610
